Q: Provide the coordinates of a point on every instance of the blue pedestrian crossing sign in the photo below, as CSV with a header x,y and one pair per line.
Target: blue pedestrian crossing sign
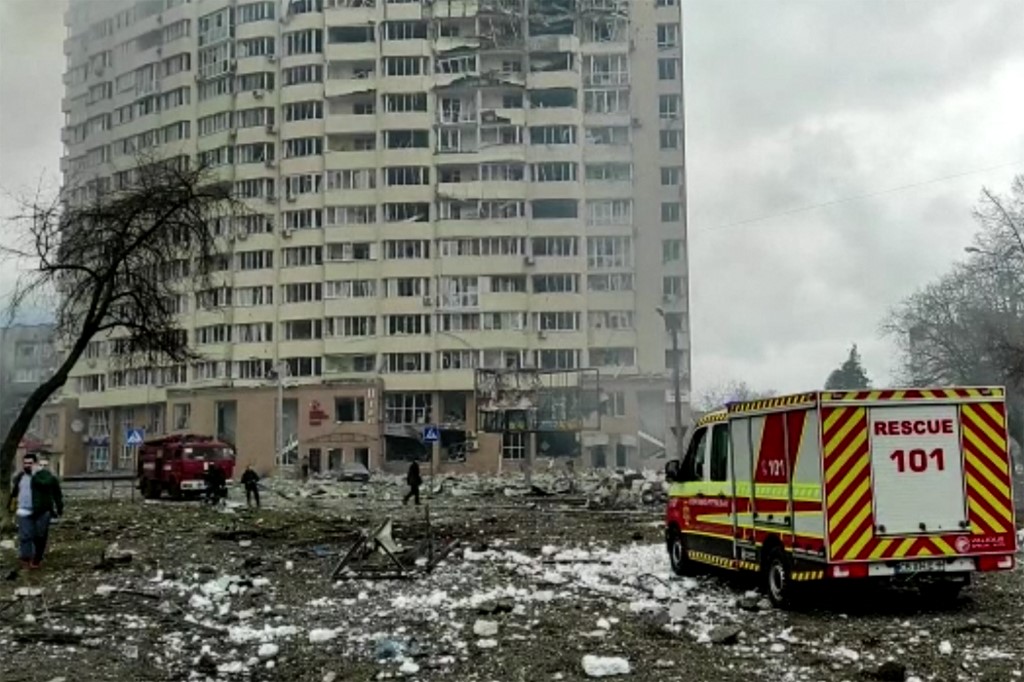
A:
x,y
430,435
134,437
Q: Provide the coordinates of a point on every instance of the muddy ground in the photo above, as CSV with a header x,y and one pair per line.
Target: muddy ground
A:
x,y
533,587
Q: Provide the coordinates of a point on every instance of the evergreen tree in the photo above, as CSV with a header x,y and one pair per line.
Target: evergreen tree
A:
x,y
850,376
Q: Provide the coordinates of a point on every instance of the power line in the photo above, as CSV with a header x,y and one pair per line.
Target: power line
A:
x,y
855,197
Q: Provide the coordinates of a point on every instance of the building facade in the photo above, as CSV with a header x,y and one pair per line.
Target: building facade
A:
x,y
434,187
27,358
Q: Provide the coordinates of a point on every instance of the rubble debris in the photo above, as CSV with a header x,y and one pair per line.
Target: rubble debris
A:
x,y
605,666
890,671
725,635
485,628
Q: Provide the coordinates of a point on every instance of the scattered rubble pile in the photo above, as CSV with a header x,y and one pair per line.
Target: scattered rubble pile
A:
x,y
179,592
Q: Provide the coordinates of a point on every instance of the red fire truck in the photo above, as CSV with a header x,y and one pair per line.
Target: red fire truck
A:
x,y
839,485
177,464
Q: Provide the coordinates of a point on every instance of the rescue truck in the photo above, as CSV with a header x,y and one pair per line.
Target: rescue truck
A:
x,y
832,486
177,464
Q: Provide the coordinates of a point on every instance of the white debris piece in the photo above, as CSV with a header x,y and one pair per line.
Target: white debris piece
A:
x,y
242,634
6,544
289,565
320,635
847,654
778,647
486,643
604,624
485,628
104,590
231,668
268,650
605,666
945,648
409,668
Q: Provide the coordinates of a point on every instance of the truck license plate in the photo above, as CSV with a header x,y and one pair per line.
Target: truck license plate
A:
x,y
927,565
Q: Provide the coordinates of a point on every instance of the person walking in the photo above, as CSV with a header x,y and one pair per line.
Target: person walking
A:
x,y
36,498
251,481
414,480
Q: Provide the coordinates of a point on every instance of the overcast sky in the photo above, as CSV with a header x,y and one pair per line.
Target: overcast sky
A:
x,y
790,104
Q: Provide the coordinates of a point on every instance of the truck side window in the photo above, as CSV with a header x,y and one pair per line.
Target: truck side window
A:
x,y
720,453
693,464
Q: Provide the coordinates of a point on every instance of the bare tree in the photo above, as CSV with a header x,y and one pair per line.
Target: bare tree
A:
x,y
731,391
116,264
967,327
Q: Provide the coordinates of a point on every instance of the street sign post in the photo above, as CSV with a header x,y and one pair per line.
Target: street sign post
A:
x,y
134,437
431,435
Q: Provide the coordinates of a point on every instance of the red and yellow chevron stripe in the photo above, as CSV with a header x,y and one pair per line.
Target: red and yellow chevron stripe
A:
x,y
847,464
913,394
986,467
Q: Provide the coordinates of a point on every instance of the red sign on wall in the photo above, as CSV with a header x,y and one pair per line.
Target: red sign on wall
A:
x,y
317,416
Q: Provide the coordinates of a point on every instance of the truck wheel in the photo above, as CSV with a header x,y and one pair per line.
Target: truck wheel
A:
x,y
150,490
778,579
681,564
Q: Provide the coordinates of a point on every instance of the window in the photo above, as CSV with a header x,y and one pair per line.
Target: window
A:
x,y
304,111
407,408
668,35
350,215
299,256
407,213
254,260
398,249
247,297
253,332
608,135
555,284
303,146
407,139
350,288
458,359
609,172
671,250
254,11
507,321
182,416
513,445
606,101
405,66
406,363
554,134
720,453
302,330
692,468
405,30
557,358
406,287
603,212
611,319
407,325
671,175
668,68
405,102
619,281
307,73
669,139
669,106
615,406
307,183
557,322
407,175
255,81
306,219
351,325
671,212
553,172
255,47
304,42
612,357
350,410
302,292
672,286
554,246
610,252
304,367
357,178
350,251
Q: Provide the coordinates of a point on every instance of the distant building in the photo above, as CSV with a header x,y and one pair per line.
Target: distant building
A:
x,y
27,357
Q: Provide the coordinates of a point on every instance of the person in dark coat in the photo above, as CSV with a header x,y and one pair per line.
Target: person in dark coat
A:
x,y
36,499
216,485
251,481
414,480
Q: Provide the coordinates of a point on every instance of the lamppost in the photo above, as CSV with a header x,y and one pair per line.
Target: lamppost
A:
x,y
278,373
673,322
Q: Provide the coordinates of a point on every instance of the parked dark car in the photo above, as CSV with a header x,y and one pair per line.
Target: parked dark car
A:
x,y
353,472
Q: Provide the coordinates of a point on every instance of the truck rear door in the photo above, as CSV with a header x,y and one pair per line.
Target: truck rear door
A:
x,y
916,474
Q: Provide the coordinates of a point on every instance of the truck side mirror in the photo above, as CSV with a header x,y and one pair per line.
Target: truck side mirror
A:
x,y
672,470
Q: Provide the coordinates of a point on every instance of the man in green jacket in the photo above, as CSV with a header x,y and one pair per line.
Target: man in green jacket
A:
x,y
35,498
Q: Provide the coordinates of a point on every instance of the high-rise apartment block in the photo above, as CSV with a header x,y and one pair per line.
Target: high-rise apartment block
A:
x,y
434,187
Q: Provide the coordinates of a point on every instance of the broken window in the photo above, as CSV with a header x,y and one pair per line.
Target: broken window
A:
x,y
554,209
406,139
350,34
348,410
552,98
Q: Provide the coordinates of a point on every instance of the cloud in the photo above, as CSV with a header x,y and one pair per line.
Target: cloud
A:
x,y
797,103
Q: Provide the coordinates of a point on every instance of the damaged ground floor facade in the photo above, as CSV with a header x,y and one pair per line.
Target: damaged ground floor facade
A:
x,y
333,426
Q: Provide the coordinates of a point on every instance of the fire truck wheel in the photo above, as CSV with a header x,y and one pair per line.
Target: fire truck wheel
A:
x,y
681,564
778,584
150,490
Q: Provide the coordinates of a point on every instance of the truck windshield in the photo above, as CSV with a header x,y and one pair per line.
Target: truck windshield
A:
x,y
207,453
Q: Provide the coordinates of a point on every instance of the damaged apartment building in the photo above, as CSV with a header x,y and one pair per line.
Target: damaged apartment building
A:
x,y
435,188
